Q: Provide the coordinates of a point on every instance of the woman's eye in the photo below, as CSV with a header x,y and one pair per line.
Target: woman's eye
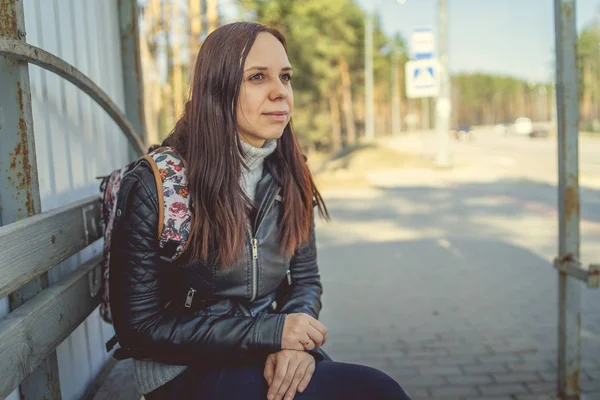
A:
x,y
286,77
256,77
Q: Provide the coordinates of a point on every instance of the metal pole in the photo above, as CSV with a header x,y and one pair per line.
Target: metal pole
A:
x,y
569,318
443,106
425,113
19,188
18,50
396,112
369,97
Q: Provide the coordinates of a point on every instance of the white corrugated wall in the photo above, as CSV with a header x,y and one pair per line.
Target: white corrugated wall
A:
x,y
75,142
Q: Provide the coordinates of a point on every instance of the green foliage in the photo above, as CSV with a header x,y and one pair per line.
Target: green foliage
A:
x,y
490,99
588,61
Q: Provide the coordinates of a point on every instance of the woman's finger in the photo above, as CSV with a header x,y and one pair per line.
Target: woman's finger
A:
x,y
269,371
315,336
287,381
310,370
300,371
281,366
307,342
318,326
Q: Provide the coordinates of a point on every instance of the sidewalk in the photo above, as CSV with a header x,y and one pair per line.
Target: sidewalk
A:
x,y
444,281
441,320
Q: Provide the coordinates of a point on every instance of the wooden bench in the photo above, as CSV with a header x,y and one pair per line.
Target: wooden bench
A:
x,y
32,332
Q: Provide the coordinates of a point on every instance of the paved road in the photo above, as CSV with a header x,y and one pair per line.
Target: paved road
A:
x,y
443,279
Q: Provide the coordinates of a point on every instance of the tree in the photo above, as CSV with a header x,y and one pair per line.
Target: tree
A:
x,y
491,99
588,60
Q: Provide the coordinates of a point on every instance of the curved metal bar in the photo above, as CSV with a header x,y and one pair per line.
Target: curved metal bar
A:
x,y
21,51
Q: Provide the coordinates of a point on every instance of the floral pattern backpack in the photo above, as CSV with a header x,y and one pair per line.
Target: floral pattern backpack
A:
x,y
174,212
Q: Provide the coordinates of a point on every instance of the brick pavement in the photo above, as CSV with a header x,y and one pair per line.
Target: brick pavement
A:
x,y
450,293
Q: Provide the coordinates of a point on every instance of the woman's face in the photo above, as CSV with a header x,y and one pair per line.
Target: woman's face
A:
x,y
266,101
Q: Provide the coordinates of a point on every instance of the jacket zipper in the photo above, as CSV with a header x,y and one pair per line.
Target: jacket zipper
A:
x,y
254,268
190,297
254,243
289,277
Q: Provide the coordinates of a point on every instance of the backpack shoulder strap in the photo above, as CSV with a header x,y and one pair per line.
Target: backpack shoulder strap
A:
x,y
175,216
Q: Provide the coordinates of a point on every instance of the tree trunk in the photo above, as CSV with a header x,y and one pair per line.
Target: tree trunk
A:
x,y
401,95
586,102
152,102
521,101
336,131
396,95
195,18
178,96
212,15
347,102
167,89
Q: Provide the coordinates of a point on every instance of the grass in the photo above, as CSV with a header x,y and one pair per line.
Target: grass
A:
x,y
595,135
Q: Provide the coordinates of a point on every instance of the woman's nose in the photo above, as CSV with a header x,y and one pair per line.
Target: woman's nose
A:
x,y
279,91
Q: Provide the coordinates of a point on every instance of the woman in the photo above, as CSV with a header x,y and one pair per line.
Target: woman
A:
x,y
235,317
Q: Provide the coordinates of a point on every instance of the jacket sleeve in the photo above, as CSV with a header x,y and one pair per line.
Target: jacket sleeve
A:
x,y
306,290
138,294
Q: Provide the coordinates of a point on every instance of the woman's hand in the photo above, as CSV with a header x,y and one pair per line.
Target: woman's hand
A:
x,y
302,332
288,371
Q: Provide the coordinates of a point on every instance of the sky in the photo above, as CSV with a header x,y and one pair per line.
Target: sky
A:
x,y
513,37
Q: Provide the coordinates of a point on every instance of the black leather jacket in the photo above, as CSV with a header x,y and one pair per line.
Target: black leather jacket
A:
x,y
188,313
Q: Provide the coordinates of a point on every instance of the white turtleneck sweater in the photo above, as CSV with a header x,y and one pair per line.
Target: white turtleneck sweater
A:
x,y
150,375
255,159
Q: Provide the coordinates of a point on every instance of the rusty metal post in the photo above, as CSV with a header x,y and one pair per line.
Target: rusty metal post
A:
x,y
18,50
569,288
19,189
133,82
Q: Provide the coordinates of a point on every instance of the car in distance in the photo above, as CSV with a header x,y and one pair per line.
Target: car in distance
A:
x,y
523,126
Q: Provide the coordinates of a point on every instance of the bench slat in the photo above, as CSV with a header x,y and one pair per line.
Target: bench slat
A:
x,y
31,332
34,245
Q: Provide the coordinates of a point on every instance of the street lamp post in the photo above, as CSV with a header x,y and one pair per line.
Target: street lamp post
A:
x,y
443,104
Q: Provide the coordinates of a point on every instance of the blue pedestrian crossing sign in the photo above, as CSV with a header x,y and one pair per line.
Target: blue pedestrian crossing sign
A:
x,y
422,78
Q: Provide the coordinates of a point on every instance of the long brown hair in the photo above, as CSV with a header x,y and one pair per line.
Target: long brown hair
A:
x,y
206,136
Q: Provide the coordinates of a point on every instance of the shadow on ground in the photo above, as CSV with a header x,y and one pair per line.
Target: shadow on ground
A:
x,y
438,282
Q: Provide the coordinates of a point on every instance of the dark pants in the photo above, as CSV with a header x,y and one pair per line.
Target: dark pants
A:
x,y
331,380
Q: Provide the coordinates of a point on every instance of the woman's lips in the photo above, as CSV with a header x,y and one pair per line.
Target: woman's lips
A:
x,y
277,116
